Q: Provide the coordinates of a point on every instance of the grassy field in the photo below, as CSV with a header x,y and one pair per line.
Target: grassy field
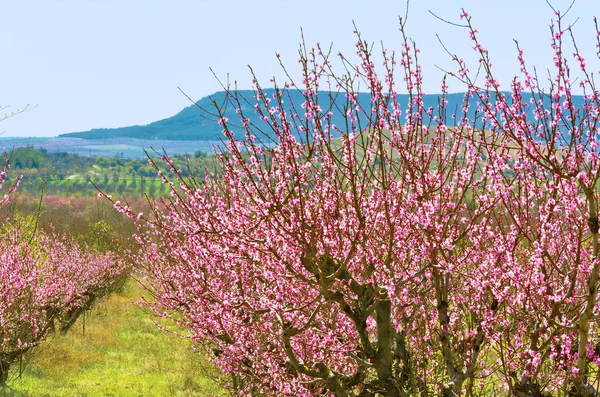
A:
x,y
115,351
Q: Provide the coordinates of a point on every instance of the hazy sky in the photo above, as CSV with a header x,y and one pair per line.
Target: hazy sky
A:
x,y
109,63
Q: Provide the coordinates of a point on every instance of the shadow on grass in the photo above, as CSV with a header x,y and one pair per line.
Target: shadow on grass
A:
x,y
7,391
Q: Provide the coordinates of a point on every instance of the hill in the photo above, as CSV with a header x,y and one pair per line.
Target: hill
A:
x,y
199,123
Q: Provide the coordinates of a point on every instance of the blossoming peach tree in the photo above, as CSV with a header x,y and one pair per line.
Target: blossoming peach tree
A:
x,y
46,283
408,251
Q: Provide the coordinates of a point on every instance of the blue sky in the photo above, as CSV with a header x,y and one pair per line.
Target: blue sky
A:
x,y
108,63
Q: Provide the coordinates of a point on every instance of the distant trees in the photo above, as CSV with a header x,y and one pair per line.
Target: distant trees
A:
x,y
121,186
435,252
133,185
151,190
65,173
27,158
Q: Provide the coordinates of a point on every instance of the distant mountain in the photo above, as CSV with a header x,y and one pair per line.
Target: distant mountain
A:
x,y
196,122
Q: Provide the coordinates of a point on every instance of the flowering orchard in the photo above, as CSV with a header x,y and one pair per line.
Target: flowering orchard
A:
x,y
46,282
419,252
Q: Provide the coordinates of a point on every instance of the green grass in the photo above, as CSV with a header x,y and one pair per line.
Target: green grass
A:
x,y
115,351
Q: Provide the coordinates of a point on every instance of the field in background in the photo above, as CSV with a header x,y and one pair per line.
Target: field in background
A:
x,y
127,148
73,175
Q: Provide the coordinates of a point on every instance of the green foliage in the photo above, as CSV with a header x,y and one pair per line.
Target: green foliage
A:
x,y
100,237
26,222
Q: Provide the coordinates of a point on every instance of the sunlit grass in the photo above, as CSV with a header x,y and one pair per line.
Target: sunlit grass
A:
x,y
116,350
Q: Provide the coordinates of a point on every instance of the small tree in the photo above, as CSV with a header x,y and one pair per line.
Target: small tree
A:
x,y
426,251
45,284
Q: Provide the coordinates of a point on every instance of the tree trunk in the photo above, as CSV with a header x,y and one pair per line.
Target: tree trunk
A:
x,y
4,367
